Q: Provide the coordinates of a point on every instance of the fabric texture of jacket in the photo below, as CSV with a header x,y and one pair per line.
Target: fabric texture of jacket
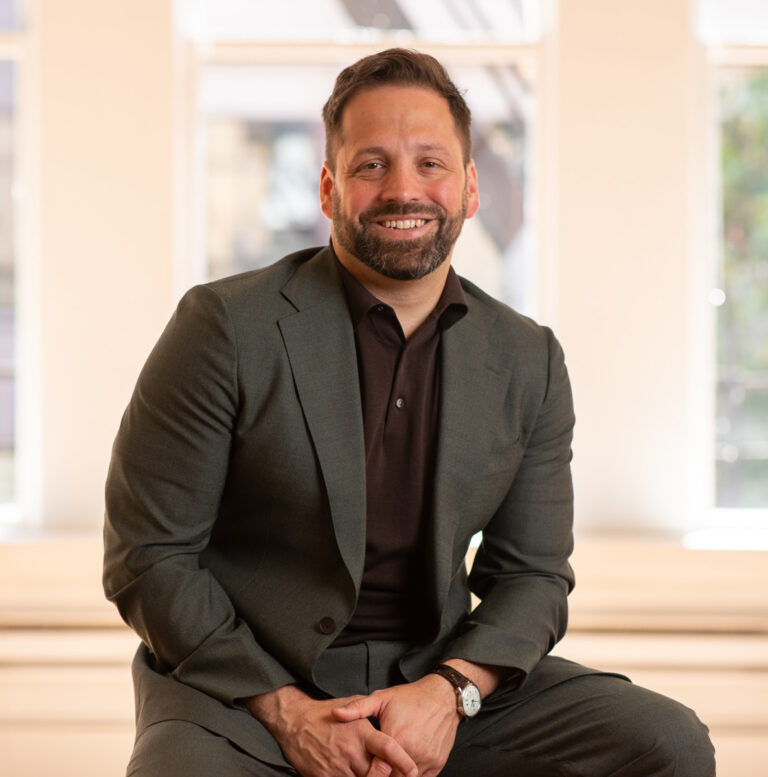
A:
x,y
235,522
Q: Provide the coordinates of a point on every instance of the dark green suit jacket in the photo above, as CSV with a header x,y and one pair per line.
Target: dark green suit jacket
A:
x,y
235,526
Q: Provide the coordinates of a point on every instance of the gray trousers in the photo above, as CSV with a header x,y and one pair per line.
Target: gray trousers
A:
x,y
589,725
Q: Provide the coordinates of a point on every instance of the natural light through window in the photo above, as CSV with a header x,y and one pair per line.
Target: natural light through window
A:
x,y
736,32
9,50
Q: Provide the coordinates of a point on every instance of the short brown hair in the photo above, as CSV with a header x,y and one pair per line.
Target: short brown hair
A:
x,y
394,67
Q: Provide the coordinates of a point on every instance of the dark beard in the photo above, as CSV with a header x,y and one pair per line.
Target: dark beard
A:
x,y
402,260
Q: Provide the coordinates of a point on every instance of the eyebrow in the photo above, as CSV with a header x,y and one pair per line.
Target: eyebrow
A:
x,y
383,151
369,150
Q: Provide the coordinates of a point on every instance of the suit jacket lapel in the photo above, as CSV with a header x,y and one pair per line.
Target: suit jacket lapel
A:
x,y
319,339
471,387
320,343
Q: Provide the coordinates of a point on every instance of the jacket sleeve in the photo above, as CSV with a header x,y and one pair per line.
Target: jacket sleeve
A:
x,y
521,572
168,470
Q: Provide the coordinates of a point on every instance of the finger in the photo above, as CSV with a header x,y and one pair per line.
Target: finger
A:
x,y
389,750
359,709
379,768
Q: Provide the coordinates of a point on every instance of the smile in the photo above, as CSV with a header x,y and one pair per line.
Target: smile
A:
x,y
403,223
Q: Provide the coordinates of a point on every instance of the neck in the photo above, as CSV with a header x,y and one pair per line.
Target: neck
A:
x,y
412,300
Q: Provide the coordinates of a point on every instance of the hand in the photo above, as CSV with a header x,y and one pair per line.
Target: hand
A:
x,y
319,745
421,716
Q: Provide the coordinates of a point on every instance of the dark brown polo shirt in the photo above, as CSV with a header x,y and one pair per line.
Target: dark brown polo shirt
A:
x,y
400,391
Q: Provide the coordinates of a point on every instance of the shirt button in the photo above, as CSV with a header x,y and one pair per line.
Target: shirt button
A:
x,y
399,403
327,625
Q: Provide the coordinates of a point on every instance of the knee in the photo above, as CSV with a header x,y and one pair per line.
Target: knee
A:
x,y
679,742
694,751
176,747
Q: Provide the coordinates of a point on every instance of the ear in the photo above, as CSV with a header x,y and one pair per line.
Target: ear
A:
x,y
326,190
473,194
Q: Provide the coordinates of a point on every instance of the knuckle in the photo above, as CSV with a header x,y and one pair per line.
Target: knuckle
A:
x,y
388,746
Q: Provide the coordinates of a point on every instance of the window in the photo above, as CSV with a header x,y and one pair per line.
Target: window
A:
x,y
9,55
737,34
263,78
742,293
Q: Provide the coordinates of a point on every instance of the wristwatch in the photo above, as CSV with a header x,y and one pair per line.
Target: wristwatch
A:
x,y
468,700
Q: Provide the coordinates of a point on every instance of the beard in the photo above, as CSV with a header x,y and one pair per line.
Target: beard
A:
x,y
402,260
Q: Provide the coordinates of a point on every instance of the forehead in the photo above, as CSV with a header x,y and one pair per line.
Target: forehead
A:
x,y
397,113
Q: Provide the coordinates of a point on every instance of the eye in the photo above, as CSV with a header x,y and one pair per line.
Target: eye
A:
x,y
367,169
431,164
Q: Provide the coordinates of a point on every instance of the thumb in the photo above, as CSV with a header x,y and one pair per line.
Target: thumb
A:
x,y
357,709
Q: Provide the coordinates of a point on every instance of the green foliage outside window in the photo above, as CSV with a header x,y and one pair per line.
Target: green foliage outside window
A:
x,y
742,322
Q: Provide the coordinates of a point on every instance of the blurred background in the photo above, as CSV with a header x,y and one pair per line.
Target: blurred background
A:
x,y
622,151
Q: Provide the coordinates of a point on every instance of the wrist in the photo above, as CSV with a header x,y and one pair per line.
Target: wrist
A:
x,y
271,706
439,689
487,678
467,699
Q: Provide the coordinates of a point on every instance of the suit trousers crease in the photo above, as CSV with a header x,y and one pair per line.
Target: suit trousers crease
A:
x,y
566,720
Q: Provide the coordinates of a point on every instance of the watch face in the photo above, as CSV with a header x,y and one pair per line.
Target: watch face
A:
x,y
470,700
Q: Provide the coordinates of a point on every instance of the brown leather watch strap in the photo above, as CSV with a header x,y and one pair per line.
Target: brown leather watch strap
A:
x,y
452,675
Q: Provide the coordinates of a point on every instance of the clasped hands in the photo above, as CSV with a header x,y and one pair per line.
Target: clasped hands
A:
x,y
334,738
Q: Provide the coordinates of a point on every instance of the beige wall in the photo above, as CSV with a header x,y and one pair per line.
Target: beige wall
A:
x,y
631,134
619,137
105,111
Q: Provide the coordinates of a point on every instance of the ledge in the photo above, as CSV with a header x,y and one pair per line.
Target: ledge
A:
x,y
54,579
652,584
624,583
690,624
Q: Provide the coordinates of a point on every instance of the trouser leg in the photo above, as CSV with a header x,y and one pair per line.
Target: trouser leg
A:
x,y
565,721
588,726
177,748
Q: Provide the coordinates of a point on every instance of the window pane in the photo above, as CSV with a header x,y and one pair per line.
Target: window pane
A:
x,y
10,15
474,21
742,313
7,317
265,147
733,21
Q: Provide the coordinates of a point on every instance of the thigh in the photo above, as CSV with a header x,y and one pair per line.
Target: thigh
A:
x,y
177,748
593,725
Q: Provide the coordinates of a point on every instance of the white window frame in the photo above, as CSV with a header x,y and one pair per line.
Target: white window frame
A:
x,y
712,527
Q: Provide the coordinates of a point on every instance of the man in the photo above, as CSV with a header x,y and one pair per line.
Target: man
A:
x,y
310,448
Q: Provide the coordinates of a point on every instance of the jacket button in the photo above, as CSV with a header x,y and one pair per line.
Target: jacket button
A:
x,y
327,625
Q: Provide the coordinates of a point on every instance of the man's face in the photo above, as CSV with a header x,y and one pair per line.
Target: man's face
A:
x,y
400,191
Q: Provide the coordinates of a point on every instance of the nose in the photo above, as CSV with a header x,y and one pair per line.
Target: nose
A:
x,y
401,183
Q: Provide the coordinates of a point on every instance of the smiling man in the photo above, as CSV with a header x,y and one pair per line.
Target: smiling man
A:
x,y
310,448
404,184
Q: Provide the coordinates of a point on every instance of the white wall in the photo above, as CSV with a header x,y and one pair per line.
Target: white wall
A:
x,y
620,111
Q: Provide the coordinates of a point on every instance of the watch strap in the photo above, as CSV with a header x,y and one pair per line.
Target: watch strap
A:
x,y
460,684
453,676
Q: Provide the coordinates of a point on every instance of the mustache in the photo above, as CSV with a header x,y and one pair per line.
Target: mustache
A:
x,y
430,210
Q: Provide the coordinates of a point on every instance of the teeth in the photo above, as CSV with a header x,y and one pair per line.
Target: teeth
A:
x,y
406,224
